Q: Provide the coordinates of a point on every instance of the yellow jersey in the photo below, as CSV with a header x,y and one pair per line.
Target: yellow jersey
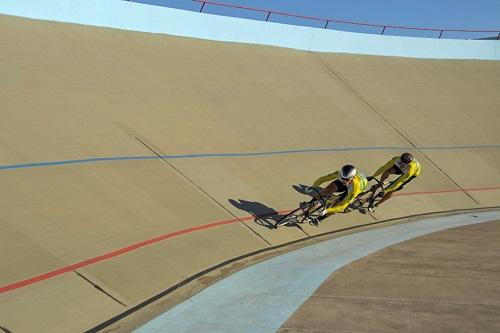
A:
x,y
358,184
408,170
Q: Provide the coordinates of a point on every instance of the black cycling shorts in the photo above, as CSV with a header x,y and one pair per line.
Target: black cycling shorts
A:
x,y
340,186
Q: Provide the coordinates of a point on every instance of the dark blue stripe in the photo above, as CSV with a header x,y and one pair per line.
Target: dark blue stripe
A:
x,y
277,152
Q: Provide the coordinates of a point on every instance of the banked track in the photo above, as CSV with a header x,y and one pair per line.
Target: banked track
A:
x,y
97,95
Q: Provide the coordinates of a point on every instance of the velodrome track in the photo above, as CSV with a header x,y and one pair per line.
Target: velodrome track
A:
x,y
131,162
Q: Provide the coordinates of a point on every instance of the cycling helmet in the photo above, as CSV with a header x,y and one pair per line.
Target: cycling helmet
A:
x,y
406,158
347,172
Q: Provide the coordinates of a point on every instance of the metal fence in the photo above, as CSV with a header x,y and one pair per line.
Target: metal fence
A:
x,y
226,9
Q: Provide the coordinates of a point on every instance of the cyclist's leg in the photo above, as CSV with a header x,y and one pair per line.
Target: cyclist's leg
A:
x,y
333,187
333,204
388,195
311,205
315,202
336,187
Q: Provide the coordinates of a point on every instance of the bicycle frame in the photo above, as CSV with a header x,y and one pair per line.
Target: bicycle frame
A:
x,y
300,215
363,201
367,199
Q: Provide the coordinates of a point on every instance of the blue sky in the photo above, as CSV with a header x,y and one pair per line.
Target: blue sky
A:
x,y
439,14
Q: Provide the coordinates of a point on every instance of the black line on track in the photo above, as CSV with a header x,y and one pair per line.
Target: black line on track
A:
x,y
100,289
5,330
298,226
244,256
201,189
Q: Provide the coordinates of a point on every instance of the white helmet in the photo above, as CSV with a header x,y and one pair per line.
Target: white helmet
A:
x,y
348,172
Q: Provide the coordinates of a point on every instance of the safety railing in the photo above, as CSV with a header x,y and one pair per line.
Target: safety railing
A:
x,y
327,22
268,15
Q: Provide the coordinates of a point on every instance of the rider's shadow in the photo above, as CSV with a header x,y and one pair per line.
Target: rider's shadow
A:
x,y
263,215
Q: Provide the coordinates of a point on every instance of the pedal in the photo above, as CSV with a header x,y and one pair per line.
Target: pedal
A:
x,y
314,221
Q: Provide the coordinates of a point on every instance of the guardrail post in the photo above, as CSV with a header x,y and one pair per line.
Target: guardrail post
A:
x,y
383,30
268,14
326,25
201,9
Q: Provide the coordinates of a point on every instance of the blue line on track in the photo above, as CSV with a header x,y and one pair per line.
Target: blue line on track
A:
x,y
215,155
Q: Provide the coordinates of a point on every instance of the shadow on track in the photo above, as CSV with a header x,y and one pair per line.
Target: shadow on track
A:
x,y
263,215
301,188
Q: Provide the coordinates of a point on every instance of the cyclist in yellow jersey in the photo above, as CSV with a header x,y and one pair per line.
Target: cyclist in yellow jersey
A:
x,y
405,166
348,181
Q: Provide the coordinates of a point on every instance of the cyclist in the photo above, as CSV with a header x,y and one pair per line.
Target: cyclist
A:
x,y
348,181
405,166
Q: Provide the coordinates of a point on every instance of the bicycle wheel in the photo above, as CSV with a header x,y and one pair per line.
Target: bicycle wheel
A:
x,y
378,193
368,198
376,197
313,213
362,201
290,218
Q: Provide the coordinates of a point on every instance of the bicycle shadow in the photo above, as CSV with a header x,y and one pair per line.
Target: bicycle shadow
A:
x,y
263,215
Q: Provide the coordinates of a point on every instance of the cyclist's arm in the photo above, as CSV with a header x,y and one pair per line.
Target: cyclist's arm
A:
x,y
385,167
386,174
325,179
414,170
397,183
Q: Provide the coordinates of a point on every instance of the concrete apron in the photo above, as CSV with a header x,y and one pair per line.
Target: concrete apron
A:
x,y
262,297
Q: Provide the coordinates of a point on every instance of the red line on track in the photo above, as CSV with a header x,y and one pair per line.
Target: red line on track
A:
x,y
113,254
450,191
88,262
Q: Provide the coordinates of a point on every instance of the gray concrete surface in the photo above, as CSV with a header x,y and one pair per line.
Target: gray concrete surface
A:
x,y
448,281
